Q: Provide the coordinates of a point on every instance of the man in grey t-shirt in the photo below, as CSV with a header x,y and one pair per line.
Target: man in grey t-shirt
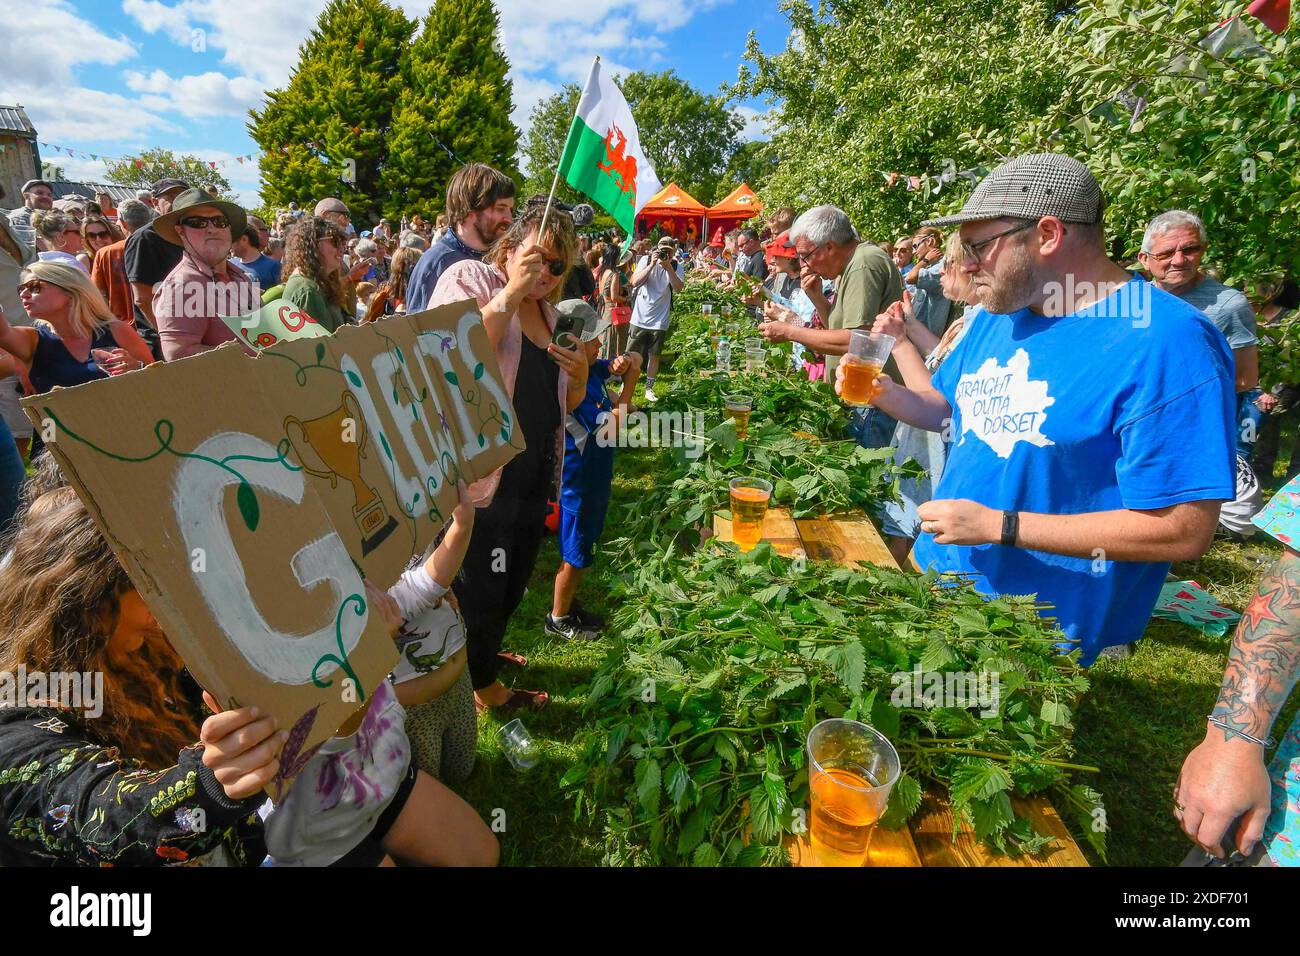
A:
x,y
1172,249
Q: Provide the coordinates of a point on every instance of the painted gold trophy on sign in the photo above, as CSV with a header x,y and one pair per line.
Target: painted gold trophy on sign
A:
x,y
328,436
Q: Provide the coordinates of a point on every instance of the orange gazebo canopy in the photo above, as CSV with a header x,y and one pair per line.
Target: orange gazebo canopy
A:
x,y
740,204
672,201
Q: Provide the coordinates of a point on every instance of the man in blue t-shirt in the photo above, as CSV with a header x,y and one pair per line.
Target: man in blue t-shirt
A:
x,y
587,476
1090,414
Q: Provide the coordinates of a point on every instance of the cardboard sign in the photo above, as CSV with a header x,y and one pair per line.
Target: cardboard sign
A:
x,y
245,495
277,321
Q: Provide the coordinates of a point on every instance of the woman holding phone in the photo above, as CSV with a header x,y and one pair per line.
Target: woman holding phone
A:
x,y
515,287
83,340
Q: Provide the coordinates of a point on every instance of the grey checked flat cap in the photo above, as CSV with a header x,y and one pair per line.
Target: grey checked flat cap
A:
x,y
1030,187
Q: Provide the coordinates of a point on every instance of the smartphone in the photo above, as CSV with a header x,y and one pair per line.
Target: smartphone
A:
x,y
568,331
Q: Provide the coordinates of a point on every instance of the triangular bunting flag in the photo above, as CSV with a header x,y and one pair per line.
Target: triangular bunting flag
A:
x,y
1274,14
1232,39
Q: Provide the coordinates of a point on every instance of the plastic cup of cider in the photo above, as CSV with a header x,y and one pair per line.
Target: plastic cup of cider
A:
x,y
862,364
851,770
749,500
738,407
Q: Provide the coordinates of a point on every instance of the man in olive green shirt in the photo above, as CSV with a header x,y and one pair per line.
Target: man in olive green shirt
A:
x,y
866,282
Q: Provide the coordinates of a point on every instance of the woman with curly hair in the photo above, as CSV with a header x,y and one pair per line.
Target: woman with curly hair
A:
x,y
391,297
82,784
313,263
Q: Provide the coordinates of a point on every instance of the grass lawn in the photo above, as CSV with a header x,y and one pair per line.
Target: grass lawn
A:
x,y
1137,724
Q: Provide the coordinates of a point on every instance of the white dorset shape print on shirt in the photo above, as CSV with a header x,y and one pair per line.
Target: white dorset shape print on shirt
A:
x,y
1000,405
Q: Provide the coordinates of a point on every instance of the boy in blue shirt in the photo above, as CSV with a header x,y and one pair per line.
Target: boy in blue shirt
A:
x,y
588,473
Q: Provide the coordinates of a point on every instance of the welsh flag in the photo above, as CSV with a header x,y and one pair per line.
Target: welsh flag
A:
x,y
602,156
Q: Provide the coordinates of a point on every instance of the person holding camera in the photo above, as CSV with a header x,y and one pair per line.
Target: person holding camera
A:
x,y
653,284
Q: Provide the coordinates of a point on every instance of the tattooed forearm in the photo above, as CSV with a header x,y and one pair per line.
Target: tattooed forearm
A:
x,y
1265,657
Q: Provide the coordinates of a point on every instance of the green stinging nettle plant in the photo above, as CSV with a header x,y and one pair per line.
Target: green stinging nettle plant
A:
x,y
724,662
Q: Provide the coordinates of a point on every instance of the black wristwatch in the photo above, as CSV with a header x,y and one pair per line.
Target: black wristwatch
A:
x,y
1010,528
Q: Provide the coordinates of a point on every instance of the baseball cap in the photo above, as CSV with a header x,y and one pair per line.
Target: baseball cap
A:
x,y
1030,187
781,247
164,186
593,326
331,205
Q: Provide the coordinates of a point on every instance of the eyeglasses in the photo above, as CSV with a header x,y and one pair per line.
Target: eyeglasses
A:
x,y
1187,251
807,256
32,287
202,222
557,267
98,235
973,250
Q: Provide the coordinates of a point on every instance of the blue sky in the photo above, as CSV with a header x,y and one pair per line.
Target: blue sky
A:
x,y
112,77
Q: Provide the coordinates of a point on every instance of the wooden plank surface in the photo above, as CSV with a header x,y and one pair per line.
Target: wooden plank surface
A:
x,y
888,848
844,539
932,830
779,530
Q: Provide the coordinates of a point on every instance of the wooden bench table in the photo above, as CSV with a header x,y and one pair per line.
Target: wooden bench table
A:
x,y
927,840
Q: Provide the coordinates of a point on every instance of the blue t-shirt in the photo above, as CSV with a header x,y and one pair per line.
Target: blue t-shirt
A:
x,y
588,466
1126,404
447,251
265,268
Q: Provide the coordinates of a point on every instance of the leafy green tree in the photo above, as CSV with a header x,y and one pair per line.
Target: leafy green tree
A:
x,y
688,136
156,164
1165,124
52,172
752,164
326,133
454,107
865,88
543,143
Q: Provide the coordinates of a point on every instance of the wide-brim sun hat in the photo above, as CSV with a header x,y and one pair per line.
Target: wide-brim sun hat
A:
x,y
1031,187
190,200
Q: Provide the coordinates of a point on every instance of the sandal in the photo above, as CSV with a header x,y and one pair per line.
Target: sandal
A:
x,y
510,657
533,700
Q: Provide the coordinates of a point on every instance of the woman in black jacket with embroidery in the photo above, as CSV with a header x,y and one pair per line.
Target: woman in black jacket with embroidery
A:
x,y
132,776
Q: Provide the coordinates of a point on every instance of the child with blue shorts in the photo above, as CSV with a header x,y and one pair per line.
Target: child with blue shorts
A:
x,y
588,473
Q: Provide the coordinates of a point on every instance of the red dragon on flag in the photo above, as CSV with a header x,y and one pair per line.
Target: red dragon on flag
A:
x,y
621,168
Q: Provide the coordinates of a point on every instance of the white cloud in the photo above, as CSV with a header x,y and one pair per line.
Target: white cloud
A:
x,y
70,114
47,56
755,124
203,94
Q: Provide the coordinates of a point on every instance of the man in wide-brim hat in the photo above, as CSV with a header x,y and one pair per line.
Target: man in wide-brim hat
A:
x,y
204,286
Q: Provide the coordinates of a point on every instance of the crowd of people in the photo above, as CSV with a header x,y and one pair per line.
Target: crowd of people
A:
x,y
1081,424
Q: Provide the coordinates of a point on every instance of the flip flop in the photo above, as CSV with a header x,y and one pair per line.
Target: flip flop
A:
x,y
510,657
533,700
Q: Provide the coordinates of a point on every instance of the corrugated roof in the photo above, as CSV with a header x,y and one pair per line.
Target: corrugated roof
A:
x,y
13,119
88,190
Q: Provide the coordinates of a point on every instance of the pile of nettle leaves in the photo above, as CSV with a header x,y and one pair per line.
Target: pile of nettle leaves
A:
x,y
723,662
720,663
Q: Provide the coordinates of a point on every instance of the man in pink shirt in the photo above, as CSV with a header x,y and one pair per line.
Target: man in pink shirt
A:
x,y
190,303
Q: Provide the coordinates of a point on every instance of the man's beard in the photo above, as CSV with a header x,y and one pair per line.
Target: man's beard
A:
x,y
1014,287
484,240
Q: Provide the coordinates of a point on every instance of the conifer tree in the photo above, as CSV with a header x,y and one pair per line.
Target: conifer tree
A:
x,y
326,133
454,107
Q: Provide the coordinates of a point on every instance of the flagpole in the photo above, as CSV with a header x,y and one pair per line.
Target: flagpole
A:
x,y
541,230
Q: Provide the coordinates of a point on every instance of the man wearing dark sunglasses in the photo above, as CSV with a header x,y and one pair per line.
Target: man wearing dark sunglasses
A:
x,y
205,286
1090,414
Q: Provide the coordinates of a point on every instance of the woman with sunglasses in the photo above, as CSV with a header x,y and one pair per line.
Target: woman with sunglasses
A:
x,y
96,233
58,238
313,263
515,286
79,339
